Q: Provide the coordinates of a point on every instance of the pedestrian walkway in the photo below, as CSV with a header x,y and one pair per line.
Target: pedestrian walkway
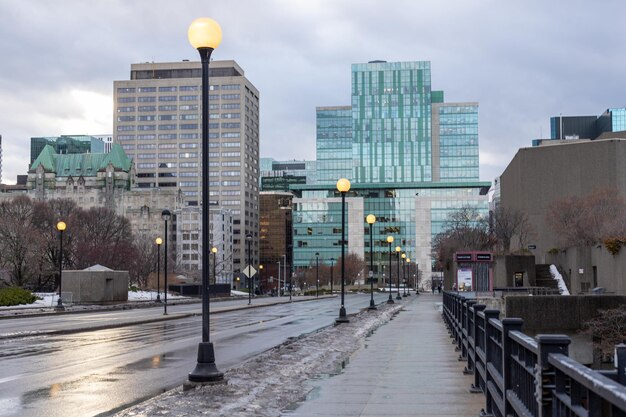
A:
x,y
408,368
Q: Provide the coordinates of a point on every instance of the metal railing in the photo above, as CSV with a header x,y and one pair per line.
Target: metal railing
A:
x,y
522,376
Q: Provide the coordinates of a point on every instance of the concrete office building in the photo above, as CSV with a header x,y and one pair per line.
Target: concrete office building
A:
x,y
157,120
411,157
538,176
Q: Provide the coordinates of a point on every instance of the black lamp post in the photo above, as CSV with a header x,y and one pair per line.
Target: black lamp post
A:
x,y
398,249
343,186
390,241
214,252
165,215
249,241
159,242
332,267
404,274
61,226
417,278
205,35
408,276
260,279
317,274
371,219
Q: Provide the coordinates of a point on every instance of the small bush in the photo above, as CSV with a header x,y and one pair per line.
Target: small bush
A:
x,y
133,288
14,296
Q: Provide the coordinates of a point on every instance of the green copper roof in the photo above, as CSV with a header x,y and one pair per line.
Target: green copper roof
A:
x,y
85,164
45,158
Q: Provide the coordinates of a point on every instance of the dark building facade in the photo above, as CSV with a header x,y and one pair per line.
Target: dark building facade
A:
x,y
275,238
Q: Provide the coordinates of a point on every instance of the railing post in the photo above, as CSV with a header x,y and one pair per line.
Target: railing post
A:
x,y
465,331
508,325
620,363
475,387
490,357
544,374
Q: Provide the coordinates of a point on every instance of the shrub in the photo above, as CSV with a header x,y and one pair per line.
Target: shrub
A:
x,y
14,296
607,330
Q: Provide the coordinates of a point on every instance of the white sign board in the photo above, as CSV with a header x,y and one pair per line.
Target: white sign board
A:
x,y
464,279
249,271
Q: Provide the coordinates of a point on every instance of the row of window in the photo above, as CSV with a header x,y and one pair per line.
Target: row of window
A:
x,y
131,90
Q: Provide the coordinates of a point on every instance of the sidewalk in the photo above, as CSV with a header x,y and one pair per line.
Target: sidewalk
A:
x,y
408,368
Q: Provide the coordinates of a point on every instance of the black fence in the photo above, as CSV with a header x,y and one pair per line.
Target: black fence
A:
x,y
522,376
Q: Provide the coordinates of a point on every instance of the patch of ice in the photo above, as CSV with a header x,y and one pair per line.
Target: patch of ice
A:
x,y
559,279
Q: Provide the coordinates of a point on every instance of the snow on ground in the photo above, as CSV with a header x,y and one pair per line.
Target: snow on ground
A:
x,y
270,382
559,280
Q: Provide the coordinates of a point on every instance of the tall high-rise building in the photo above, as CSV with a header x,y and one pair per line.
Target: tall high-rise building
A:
x,y
411,157
157,120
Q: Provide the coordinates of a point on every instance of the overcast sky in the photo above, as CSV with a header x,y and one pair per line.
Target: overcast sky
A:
x,y
523,61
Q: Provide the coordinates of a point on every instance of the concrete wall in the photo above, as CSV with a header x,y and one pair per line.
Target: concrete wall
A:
x,y
96,286
505,267
557,314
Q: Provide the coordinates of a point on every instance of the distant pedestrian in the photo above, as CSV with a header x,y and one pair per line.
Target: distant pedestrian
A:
x,y
439,289
433,288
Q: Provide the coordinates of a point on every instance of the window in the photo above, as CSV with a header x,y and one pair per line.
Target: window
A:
x,y
126,109
231,115
167,155
188,88
231,126
167,89
188,154
169,107
231,173
146,165
231,164
167,145
189,136
145,156
230,96
188,98
230,87
188,126
126,99
125,128
231,154
167,117
188,174
167,136
167,127
146,108
228,106
125,90
146,118
148,99
146,137
231,145
125,137
188,117
188,183
167,98
125,118
146,146
185,107
147,89
189,165
146,127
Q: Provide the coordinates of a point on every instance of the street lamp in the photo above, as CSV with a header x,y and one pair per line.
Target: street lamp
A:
x,y
166,216
332,260
61,228
261,279
371,219
408,274
317,274
417,278
398,249
249,241
159,242
205,35
214,252
343,186
404,274
390,241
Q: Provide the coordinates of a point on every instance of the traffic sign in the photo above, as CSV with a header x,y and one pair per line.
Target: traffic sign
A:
x,y
249,271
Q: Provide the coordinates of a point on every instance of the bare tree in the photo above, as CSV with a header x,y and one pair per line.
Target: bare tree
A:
x,y
588,220
510,223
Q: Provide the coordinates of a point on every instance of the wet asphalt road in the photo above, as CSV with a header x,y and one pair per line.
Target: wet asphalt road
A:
x,y
99,372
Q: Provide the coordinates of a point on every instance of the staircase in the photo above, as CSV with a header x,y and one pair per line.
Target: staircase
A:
x,y
543,278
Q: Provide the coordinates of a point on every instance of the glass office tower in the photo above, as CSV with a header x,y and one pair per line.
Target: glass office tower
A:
x,y
391,112
334,143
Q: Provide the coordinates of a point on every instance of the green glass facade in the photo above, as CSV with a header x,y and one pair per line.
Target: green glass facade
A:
x,y
391,112
66,145
458,142
334,143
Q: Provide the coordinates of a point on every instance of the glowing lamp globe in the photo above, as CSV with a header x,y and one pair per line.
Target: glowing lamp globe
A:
x,y
204,32
343,185
371,219
61,226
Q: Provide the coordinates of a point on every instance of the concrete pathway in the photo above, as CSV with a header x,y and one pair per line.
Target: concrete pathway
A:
x,y
408,368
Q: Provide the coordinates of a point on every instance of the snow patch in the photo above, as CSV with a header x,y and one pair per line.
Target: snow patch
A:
x,y
559,280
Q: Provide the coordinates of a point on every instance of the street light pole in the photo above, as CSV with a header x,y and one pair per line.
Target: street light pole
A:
x,y
205,35
390,241
260,279
343,186
332,267
165,215
61,226
398,249
214,252
371,219
404,274
408,276
249,275
317,274
159,241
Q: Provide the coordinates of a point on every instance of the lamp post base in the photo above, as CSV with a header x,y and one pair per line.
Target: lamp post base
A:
x,y
342,316
206,370
59,307
372,305
390,300
398,297
158,299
